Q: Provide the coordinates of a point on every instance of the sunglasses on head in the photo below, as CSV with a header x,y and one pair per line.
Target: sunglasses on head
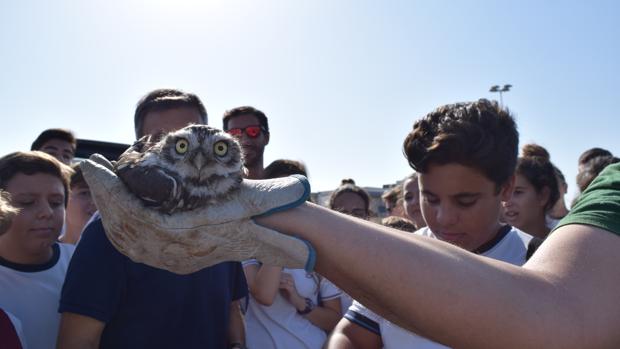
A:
x,y
250,131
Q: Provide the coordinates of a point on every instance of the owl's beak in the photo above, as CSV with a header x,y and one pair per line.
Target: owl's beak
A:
x,y
199,161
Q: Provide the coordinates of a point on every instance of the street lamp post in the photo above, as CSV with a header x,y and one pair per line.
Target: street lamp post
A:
x,y
496,88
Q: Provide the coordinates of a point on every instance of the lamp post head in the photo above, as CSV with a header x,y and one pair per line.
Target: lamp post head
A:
x,y
494,88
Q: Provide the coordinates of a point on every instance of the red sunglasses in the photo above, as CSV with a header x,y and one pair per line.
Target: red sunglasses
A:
x,y
250,131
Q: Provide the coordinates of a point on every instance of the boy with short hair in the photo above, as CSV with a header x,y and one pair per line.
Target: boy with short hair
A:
x,y
32,263
80,207
58,142
465,155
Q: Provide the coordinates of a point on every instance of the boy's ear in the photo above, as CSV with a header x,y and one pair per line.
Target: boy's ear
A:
x,y
507,188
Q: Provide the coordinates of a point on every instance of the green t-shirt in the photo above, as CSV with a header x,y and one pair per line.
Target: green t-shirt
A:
x,y
599,204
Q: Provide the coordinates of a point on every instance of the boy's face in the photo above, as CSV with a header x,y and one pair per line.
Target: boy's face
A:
x,y
61,150
460,205
81,206
253,147
411,202
160,122
351,204
40,198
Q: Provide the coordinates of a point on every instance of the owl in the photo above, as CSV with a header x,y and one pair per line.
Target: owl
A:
x,y
193,167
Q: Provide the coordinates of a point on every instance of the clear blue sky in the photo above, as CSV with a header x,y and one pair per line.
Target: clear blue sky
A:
x,y
341,81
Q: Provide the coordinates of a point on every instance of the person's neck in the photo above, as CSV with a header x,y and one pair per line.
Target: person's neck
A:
x,y
491,237
15,254
559,210
538,229
71,235
256,171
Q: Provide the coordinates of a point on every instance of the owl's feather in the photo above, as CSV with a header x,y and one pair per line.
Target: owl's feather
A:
x,y
186,169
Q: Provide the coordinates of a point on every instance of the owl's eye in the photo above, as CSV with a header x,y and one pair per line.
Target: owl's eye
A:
x,y
220,148
182,146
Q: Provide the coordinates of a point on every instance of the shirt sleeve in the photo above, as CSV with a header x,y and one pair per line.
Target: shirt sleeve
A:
x,y
599,204
96,276
250,262
328,290
240,286
363,317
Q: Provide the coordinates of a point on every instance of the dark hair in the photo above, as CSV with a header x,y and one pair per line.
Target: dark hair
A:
x,y
347,185
591,154
559,175
7,212
77,177
54,133
262,118
284,168
33,162
393,194
399,223
164,99
592,168
480,135
536,167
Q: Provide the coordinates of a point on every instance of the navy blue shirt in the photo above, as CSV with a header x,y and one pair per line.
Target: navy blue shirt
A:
x,y
145,307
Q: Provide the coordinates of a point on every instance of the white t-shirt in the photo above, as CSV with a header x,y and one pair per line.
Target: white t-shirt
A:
x,y
279,326
32,293
511,248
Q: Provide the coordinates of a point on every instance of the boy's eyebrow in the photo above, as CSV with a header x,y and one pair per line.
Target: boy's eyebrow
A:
x,y
467,195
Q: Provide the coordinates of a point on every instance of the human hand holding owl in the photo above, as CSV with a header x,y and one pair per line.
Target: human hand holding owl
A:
x,y
191,227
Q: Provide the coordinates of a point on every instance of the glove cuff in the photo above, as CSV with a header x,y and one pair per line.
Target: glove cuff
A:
x,y
302,198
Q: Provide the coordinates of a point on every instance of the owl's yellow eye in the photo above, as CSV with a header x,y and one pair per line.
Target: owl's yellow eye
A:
x,y
220,148
182,146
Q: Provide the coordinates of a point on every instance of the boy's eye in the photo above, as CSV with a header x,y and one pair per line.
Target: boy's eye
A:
x,y
467,203
24,203
431,200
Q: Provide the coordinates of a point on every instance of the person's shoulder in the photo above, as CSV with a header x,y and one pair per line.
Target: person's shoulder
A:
x,y
66,249
599,204
94,245
520,235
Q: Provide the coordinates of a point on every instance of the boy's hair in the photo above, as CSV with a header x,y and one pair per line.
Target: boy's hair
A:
x,y
591,154
480,135
393,194
284,168
347,185
33,162
399,223
592,168
54,133
7,212
77,177
262,118
535,166
164,99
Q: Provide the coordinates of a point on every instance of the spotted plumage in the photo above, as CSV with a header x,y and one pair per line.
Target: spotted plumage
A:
x,y
192,167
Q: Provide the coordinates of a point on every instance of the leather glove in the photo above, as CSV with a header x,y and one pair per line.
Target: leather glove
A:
x,y
185,242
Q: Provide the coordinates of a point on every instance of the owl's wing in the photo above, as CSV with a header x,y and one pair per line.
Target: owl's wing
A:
x,y
134,153
153,185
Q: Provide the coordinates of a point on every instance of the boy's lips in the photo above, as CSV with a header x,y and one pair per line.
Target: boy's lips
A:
x,y
44,231
511,214
450,237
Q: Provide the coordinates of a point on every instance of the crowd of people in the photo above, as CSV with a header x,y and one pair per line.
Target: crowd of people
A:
x,y
471,216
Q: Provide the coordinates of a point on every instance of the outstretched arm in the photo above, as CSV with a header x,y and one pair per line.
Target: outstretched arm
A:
x,y
568,289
